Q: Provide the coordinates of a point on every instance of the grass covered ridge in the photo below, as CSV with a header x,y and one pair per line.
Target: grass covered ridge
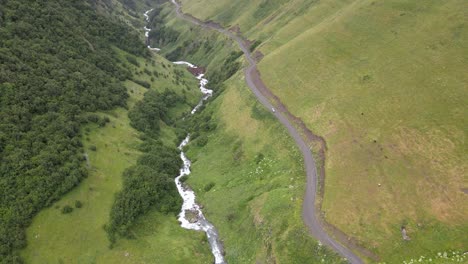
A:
x,y
250,179
384,83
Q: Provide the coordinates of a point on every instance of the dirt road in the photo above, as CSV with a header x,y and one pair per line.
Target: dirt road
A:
x,y
255,83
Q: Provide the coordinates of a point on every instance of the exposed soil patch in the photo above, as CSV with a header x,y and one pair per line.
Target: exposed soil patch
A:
x,y
235,29
258,56
196,71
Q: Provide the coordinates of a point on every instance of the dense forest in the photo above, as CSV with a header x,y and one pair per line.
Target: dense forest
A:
x,y
56,64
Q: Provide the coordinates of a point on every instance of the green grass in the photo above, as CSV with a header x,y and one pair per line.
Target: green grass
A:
x,y
404,93
389,71
166,79
255,206
258,19
79,237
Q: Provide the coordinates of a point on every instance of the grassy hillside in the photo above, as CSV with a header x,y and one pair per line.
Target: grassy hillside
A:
x,y
79,237
382,81
385,83
249,178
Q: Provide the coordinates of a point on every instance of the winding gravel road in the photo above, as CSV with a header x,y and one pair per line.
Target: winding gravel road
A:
x,y
255,83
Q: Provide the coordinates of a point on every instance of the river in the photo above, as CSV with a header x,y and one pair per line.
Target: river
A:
x,y
191,216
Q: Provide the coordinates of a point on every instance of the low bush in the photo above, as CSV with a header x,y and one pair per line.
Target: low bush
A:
x,y
209,186
67,209
78,204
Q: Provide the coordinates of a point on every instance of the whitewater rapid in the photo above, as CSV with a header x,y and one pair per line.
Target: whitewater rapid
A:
x,y
148,30
197,220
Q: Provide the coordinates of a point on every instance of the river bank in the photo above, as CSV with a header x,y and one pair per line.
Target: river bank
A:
x,y
196,221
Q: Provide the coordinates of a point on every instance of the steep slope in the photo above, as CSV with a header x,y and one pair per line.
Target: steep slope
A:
x,y
384,83
86,126
54,69
230,163
80,237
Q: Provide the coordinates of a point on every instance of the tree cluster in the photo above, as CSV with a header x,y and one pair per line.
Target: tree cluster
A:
x,y
150,183
147,114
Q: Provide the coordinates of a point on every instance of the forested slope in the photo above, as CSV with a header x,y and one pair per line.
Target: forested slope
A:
x,y
56,64
130,190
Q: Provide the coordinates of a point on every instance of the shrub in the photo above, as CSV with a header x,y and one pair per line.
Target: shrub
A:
x,y
259,158
230,217
202,140
209,186
132,60
148,184
366,78
183,179
78,204
93,118
145,84
102,122
67,209
92,148
254,45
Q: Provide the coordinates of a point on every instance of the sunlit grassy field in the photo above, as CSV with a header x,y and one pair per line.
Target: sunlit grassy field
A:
x,y
385,83
79,237
258,183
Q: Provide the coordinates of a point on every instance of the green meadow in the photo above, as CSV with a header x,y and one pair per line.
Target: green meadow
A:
x,y
384,82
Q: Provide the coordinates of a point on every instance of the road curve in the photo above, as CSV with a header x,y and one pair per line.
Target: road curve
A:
x,y
253,79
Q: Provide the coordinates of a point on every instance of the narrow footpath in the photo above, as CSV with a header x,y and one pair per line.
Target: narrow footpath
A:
x,y
255,83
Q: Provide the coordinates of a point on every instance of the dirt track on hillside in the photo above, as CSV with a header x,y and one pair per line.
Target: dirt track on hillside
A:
x,y
304,139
